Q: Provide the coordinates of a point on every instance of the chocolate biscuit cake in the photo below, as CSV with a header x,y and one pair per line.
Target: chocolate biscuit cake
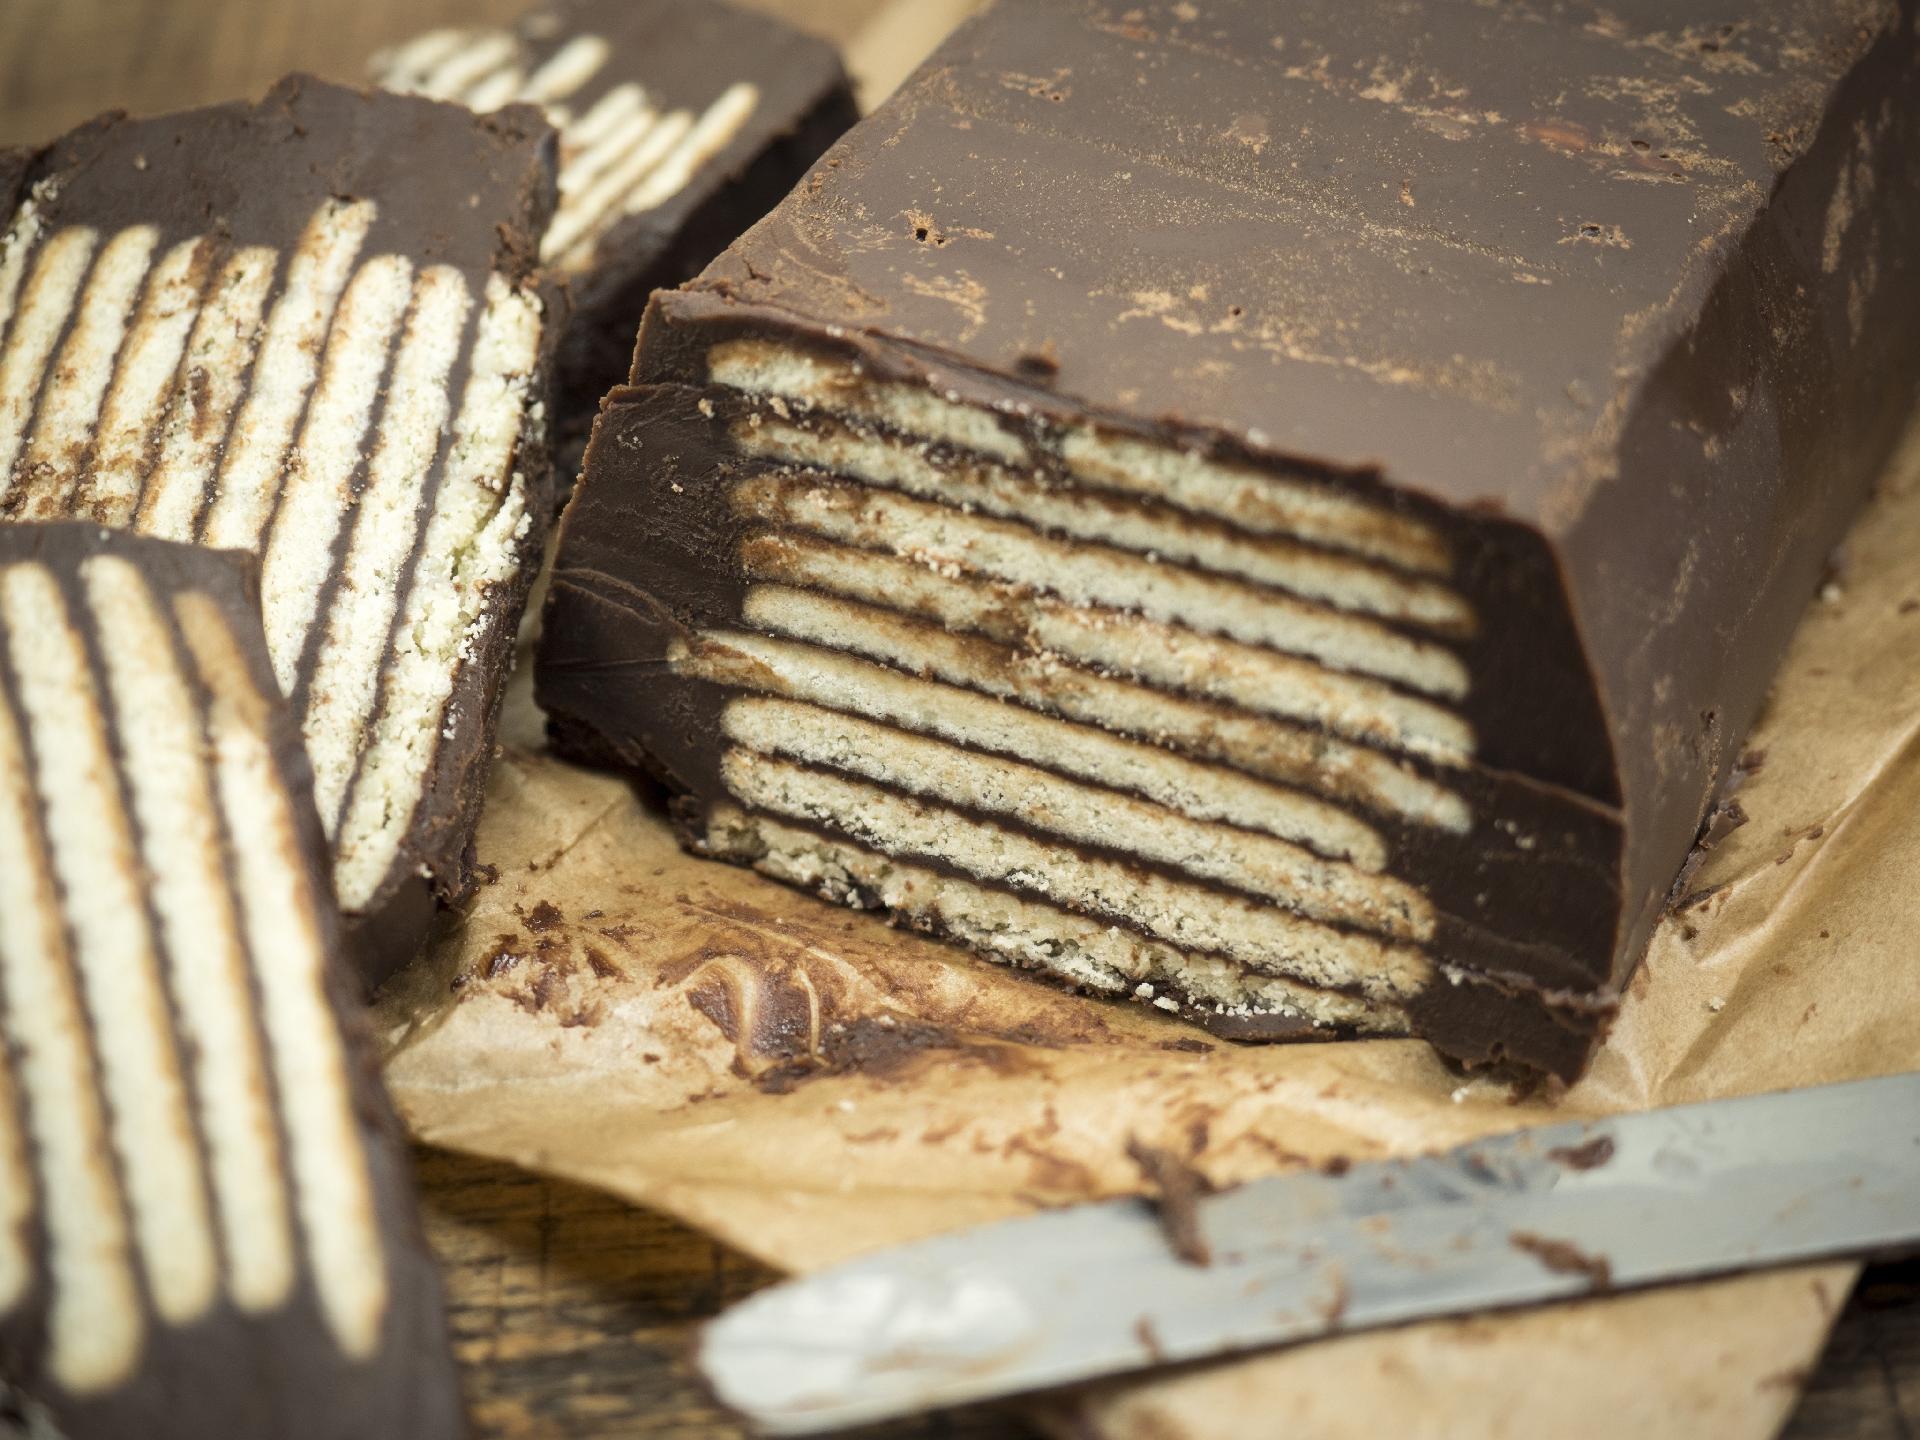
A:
x,y
681,123
308,328
1284,512
206,1220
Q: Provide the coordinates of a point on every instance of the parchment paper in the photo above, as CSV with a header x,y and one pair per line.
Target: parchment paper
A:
x,y
807,1084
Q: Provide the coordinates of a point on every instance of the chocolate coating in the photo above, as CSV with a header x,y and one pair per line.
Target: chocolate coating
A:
x,y
450,188
1593,292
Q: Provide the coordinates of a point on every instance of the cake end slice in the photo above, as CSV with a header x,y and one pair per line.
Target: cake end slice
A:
x,y
311,328
207,1224
681,123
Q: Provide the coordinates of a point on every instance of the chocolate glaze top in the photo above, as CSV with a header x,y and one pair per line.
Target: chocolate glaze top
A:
x,y
251,169
1445,246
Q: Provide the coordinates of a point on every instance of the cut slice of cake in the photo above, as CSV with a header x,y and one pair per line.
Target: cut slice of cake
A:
x,y
309,328
206,1219
1288,516
681,123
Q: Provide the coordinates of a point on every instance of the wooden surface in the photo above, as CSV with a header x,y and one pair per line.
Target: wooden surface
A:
x,y
574,1315
572,1312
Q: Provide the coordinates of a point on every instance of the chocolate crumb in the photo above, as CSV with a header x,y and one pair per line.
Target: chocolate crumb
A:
x,y
1727,817
1590,1156
503,957
543,917
1178,1190
1334,1308
1150,1340
1564,1258
1042,362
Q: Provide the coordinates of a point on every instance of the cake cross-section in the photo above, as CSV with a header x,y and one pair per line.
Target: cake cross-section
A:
x,y
681,123
308,328
1286,513
206,1218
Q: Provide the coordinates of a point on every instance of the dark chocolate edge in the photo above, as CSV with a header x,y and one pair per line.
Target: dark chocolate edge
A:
x,y
1785,356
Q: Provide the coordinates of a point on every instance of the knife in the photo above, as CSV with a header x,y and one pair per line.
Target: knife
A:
x,y
1538,1215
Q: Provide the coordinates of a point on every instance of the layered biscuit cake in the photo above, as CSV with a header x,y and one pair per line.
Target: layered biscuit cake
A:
x,y
1286,513
206,1222
308,328
681,123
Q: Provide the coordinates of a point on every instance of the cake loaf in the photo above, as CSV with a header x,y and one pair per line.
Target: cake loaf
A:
x,y
309,328
1283,512
681,123
206,1219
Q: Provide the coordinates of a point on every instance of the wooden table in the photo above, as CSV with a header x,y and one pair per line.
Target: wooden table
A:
x,y
572,1312
574,1315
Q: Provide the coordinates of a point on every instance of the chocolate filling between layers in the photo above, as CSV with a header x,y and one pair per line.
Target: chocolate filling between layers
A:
x,y
1489,923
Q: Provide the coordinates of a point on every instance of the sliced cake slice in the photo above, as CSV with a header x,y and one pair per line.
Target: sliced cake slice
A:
x,y
681,123
1288,516
206,1219
309,328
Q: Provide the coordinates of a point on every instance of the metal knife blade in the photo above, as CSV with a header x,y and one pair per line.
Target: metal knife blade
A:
x,y
1538,1215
